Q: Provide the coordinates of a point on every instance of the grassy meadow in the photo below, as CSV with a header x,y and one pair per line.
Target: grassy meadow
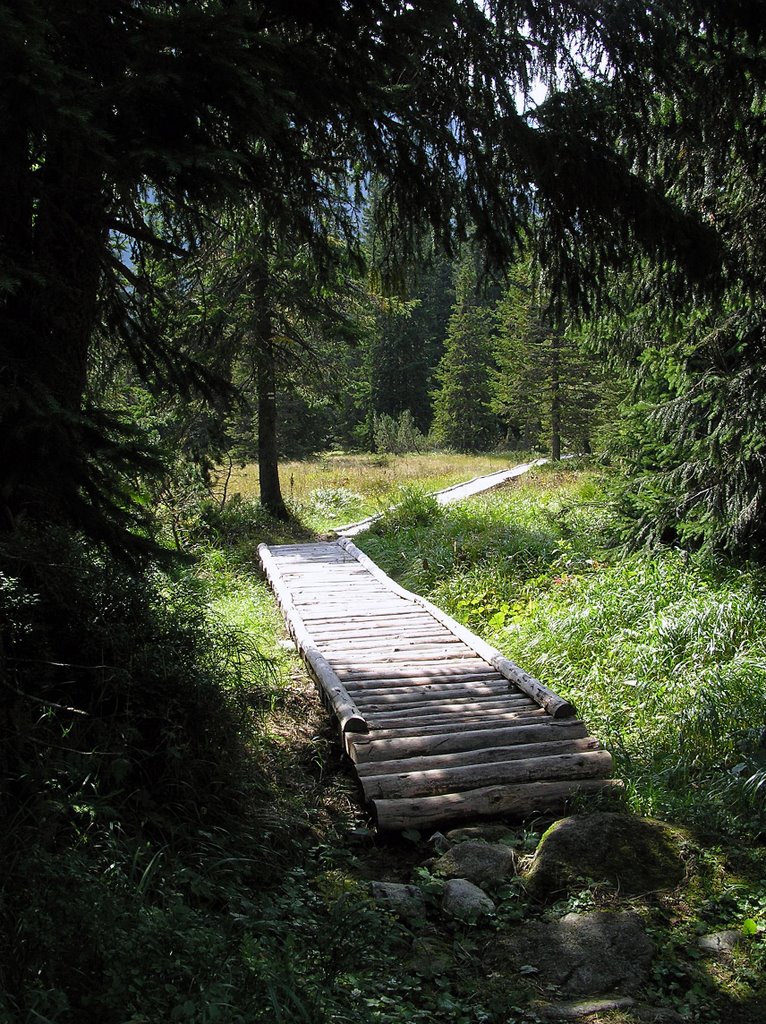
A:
x,y
335,488
218,876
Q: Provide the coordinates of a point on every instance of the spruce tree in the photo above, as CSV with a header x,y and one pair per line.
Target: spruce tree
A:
x,y
408,343
545,388
463,416
694,440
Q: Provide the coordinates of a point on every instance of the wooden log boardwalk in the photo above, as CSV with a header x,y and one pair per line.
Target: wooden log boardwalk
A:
x,y
439,725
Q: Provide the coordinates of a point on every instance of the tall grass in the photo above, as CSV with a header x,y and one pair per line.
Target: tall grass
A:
x,y
666,657
664,654
331,489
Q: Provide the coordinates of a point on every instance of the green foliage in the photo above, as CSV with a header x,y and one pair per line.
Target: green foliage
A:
x,y
129,791
233,530
463,416
692,439
412,509
128,663
124,143
693,443
395,436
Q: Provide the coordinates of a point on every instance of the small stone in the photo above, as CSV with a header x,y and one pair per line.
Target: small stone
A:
x,y
439,842
406,901
721,942
464,900
479,862
490,833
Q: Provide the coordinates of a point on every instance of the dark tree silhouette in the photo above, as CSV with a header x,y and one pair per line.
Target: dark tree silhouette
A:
x,y
125,122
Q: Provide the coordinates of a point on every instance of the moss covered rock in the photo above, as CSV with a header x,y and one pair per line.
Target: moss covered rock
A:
x,y
636,855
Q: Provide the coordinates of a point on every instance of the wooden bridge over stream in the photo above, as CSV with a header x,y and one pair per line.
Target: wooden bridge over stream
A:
x,y
440,726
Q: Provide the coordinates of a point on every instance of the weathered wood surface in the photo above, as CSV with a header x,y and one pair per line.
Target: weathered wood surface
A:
x,y
439,725
348,714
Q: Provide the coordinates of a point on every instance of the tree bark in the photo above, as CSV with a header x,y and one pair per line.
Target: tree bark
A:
x,y
46,327
555,397
266,386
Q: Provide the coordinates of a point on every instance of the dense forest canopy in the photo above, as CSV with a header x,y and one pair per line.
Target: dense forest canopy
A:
x,y
129,124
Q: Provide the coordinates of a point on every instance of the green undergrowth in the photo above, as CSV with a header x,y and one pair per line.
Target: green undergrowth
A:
x,y
182,842
663,653
140,800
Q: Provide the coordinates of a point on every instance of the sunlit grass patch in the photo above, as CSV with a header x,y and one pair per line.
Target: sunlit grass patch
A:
x,y
484,555
309,485
667,660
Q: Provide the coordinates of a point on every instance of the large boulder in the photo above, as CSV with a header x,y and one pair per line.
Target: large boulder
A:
x,y
636,855
584,954
479,862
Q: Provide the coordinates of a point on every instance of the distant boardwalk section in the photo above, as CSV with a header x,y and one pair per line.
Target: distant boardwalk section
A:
x,y
440,726
452,494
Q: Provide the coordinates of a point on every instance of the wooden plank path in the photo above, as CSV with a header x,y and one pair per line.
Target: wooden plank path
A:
x,y
440,726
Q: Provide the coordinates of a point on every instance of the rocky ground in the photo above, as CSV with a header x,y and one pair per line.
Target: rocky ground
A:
x,y
601,916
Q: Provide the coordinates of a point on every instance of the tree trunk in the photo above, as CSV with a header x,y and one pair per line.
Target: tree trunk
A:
x,y
555,383
266,385
46,327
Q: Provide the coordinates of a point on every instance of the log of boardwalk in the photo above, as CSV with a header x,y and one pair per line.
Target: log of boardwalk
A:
x,y
520,801
440,726
347,713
